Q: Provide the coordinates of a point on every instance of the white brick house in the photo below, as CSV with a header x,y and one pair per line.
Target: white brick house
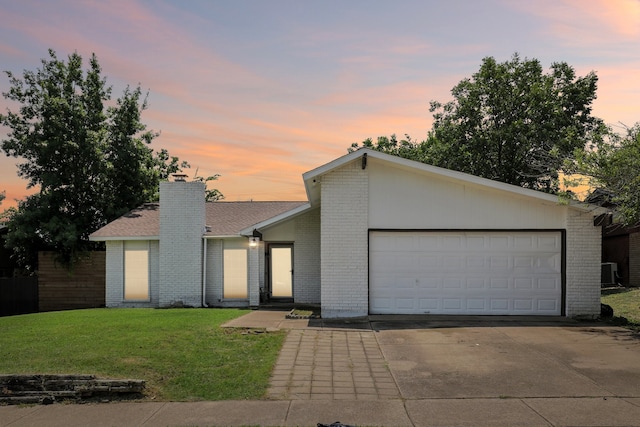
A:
x,y
378,235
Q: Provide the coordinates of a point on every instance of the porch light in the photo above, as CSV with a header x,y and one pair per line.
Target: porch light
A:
x,y
254,241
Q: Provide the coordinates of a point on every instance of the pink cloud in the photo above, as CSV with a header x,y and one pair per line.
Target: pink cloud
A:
x,y
618,93
579,21
133,45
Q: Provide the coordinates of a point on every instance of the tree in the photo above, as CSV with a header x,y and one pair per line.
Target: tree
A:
x,y
509,122
210,195
613,165
91,163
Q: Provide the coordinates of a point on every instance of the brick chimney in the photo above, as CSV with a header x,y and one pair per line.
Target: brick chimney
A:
x,y
182,221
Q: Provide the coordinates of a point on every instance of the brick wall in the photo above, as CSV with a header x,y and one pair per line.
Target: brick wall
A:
x,y
306,258
634,259
214,271
254,273
114,273
154,273
81,287
583,251
182,221
344,257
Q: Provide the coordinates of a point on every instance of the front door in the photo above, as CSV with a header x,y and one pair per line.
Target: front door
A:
x,y
281,271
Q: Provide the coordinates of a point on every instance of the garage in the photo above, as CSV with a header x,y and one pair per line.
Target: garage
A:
x,y
466,272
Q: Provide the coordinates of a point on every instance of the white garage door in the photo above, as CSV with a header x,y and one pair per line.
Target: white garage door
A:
x,y
465,273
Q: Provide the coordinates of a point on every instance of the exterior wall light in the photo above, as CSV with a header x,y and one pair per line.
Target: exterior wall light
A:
x,y
253,242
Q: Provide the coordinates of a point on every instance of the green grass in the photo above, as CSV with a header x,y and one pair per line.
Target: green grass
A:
x,y
625,303
182,354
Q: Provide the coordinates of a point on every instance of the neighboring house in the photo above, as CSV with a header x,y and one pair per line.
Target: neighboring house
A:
x,y
621,245
379,234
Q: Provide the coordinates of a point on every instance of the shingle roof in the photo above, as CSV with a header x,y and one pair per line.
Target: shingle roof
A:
x,y
228,218
222,219
143,221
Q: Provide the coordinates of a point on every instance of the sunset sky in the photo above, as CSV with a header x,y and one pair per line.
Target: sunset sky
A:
x,y
261,91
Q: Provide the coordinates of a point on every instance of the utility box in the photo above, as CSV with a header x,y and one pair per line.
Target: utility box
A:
x,y
609,273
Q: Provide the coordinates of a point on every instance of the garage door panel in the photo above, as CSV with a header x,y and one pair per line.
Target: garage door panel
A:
x,y
547,305
452,283
452,303
476,262
523,242
552,243
499,283
452,242
429,283
476,283
551,284
499,242
523,282
476,242
476,304
501,305
465,272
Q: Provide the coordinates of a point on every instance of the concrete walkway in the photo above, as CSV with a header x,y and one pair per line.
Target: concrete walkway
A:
x,y
344,365
366,372
424,412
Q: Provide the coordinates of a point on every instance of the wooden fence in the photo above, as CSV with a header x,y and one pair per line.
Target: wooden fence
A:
x,y
61,289
18,295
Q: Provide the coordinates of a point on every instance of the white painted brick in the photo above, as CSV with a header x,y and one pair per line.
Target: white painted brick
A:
x,y
583,254
254,275
344,235
182,221
306,258
214,272
114,273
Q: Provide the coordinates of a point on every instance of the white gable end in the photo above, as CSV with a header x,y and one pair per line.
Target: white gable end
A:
x,y
405,199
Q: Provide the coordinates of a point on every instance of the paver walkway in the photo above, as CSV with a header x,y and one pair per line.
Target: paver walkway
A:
x,y
322,364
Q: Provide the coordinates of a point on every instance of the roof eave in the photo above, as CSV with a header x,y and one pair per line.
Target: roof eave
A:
x,y
313,191
115,238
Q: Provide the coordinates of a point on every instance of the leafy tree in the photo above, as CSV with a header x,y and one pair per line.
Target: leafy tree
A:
x,y
2,196
210,195
613,165
91,162
510,122
406,148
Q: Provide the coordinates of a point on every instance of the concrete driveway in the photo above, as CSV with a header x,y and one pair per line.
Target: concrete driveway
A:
x,y
511,360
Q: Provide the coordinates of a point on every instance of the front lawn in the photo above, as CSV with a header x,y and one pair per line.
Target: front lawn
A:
x,y
182,354
625,303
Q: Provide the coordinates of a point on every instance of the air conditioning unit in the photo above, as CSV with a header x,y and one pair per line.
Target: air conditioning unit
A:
x,y
609,273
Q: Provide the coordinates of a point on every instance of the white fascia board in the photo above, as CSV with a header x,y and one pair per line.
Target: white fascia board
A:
x,y
311,177
222,236
277,219
110,238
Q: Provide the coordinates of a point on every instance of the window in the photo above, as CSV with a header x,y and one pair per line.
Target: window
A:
x,y
136,270
235,274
